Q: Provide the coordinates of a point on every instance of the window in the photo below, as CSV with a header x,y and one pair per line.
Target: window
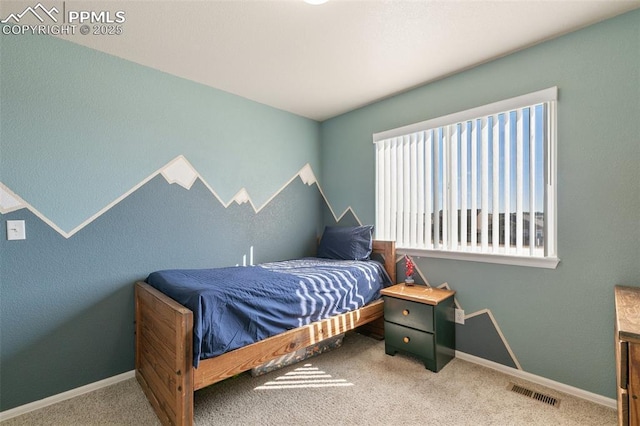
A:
x,y
475,185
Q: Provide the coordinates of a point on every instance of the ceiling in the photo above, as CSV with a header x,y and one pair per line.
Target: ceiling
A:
x,y
322,61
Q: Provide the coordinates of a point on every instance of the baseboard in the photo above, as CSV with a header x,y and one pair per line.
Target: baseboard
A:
x,y
36,405
561,387
551,384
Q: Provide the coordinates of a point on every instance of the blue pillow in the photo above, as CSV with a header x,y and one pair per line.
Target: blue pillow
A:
x,y
346,242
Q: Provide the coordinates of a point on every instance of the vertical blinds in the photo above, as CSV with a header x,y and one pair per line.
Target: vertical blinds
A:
x,y
477,181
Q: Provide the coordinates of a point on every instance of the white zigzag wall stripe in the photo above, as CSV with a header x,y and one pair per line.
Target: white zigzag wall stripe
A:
x,y
483,311
178,171
336,218
495,324
9,201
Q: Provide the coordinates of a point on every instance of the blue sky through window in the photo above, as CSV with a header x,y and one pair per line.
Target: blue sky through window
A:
x,y
502,140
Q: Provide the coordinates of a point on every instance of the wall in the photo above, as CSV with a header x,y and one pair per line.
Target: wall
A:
x,y
554,323
119,170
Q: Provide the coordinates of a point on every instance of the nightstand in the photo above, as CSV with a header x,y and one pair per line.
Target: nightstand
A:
x,y
419,321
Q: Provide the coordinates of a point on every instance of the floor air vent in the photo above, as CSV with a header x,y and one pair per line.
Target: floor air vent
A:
x,y
554,402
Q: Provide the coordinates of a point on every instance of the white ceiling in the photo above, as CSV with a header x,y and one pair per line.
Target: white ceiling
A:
x,y
321,61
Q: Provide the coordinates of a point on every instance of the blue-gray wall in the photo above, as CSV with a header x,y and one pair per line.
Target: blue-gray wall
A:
x,y
79,129
558,323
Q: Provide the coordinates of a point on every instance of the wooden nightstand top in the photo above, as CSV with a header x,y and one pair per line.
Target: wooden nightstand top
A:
x,y
418,293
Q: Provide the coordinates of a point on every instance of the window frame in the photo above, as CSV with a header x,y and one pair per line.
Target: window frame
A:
x,y
548,97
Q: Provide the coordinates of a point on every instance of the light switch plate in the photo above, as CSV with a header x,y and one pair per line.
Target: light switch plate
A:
x,y
16,230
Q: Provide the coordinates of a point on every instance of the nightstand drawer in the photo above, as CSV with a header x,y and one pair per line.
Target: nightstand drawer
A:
x,y
411,314
409,340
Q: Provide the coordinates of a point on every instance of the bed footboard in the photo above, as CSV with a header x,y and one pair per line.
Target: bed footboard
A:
x,y
164,354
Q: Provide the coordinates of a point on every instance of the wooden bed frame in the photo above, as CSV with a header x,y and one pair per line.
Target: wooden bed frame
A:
x,y
164,352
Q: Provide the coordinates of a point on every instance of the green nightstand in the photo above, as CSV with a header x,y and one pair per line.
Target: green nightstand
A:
x,y
419,321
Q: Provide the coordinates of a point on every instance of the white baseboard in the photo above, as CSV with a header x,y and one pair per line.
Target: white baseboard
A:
x,y
561,387
36,405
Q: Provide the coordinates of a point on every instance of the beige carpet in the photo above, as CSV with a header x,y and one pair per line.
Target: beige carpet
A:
x,y
356,384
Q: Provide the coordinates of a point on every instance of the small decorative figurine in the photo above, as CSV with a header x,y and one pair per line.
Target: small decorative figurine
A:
x,y
409,269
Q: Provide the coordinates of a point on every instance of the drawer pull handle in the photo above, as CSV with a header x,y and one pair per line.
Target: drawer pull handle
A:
x,y
405,312
406,339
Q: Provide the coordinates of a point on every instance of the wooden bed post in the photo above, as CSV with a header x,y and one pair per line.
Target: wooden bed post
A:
x,y
164,364
387,249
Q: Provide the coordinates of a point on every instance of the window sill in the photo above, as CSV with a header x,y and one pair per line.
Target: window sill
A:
x,y
534,262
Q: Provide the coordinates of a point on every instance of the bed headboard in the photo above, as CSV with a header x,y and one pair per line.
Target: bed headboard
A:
x,y
386,250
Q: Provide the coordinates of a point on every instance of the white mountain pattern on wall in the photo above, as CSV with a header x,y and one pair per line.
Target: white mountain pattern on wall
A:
x,y
177,171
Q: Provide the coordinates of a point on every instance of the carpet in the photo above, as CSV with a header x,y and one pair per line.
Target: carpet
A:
x,y
356,384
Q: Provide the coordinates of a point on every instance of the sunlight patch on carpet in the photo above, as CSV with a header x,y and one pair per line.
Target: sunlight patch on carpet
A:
x,y
307,376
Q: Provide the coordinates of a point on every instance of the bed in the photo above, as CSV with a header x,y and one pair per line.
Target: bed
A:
x,y
170,371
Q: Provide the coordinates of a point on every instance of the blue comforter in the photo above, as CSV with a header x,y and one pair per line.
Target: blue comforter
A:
x,y
236,306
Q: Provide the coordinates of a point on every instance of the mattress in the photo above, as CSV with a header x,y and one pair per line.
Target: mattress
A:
x,y
236,306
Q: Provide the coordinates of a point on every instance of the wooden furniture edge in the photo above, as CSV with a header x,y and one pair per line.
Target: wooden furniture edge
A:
x,y
387,249
418,293
625,299
158,316
164,354
627,349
